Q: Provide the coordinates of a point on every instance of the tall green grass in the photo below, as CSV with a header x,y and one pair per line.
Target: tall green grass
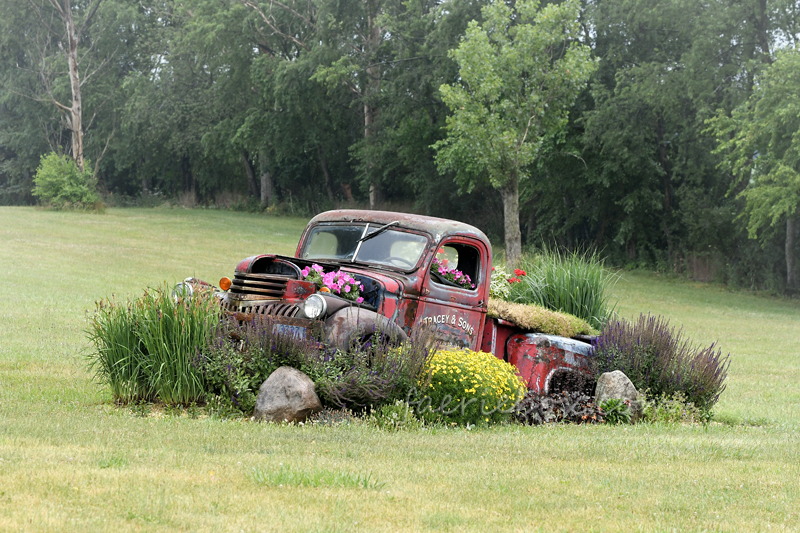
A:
x,y
571,282
147,348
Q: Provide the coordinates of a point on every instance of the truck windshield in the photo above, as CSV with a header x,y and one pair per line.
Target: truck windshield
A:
x,y
391,247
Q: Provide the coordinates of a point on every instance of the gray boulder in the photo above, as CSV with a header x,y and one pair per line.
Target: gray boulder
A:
x,y
286,396
617,385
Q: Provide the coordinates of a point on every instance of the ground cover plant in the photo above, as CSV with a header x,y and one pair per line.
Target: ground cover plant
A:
x,y
72,460
467,387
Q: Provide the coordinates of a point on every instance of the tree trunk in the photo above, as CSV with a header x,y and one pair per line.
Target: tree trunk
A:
x,y
663,158
266,180
510,195
791,271
252,186
323,163
373,86
76,111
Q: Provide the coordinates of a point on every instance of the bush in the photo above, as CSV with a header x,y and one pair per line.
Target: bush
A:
x,y
395,417
570,282
566,406
146,349
616,411
671,410
656,357
469,387
60,184
372,373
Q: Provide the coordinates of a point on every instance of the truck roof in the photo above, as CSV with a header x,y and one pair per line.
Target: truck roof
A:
x,y
437,227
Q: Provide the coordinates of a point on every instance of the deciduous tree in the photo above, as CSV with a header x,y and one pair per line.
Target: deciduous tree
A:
x,y
520,71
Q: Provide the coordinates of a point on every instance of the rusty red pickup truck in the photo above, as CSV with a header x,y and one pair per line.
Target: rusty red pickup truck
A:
x,y
389,255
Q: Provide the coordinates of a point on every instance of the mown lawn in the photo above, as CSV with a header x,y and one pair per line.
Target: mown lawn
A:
x,y
72,461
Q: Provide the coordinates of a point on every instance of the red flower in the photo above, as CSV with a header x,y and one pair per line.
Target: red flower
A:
x,y
514,280
519,272
492,269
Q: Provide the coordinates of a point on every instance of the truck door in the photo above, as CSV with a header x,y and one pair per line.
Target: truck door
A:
x,y
457,313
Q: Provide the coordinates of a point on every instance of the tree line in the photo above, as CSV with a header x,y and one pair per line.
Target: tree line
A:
x,y
676,146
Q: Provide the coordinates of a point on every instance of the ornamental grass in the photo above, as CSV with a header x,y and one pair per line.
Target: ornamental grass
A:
x,y
144,349
469,387
570,282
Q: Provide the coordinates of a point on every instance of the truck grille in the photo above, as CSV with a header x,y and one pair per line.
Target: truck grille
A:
x,y
264,285
260,308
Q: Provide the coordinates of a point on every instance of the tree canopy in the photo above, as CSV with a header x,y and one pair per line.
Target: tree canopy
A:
x,y
298,106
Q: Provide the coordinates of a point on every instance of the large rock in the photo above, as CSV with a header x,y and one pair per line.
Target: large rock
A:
x,y
617,385
286,396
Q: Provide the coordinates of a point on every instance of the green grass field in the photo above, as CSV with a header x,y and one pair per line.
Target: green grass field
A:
x,y
72,461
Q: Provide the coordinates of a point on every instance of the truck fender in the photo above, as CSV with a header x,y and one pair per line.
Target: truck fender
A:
x,y
354,323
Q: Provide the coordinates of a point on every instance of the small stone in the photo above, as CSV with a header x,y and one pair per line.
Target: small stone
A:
x,y
617,385
286,396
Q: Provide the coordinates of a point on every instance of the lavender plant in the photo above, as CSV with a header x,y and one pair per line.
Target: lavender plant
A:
x,y
372,372
655,356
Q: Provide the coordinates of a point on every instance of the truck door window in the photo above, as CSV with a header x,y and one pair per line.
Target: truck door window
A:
x,y
460,257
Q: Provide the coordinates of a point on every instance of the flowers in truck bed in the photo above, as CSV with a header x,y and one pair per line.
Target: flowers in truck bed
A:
x,y
452,275
337,282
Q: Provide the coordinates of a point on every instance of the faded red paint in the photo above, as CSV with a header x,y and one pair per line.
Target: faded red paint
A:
x,y
538,356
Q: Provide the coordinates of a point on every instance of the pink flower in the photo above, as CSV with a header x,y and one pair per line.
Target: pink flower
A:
x,y
305,272
317,268
359,300
347,288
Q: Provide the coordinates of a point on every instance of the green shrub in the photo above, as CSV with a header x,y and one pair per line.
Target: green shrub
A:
x,y
469,387
147,348
673,409
60,184
571,282
616,411
655,356
239,357
396,416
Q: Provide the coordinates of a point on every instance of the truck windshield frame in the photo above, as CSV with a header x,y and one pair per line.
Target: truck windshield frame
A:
x,y
390,246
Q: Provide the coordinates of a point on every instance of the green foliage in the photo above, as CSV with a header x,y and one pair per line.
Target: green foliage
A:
x,y
469,387
499,286
675,409
571,282
761,143
616,411
519,74
146,349
395,417
60,184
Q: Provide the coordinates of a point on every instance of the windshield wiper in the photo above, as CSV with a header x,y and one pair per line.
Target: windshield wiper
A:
x,y
365,237
378,231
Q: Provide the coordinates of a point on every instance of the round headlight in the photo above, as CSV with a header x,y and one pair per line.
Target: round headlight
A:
x,y
315,306
182,290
